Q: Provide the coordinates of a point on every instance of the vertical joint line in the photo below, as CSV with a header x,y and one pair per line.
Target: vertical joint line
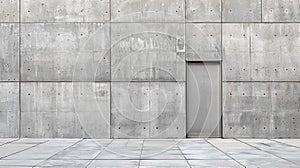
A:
x,y
110,81
250,51
221,69
19,54
261,11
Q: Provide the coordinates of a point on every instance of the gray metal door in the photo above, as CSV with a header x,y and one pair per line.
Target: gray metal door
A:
x,y
203,100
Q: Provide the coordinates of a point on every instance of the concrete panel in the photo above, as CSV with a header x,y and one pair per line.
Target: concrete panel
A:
x,y
130,110
261,109
167,110
167,66
203,41
9,109
241,10
149,51
275,53
9,11
65,52
9,52
281,11
147,11
236,52
246,110
203,10
143,110
65,11
261,125
247,125
64,110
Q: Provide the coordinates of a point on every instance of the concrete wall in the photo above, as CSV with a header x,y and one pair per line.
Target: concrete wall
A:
x,y
117,69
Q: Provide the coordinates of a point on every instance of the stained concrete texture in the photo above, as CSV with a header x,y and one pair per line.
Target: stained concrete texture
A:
x,y
275,52
149,51
203,42
64,110
65,52
9,109
203,10
148,110
241,10
9,51
167,110
130,109
261,109
65,11
9,11
195,153
147,11
266,52
236,52
281,11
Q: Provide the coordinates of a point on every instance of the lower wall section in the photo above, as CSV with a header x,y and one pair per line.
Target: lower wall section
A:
x,y
261,109
65,110
87,110
148,110
143,109
9,109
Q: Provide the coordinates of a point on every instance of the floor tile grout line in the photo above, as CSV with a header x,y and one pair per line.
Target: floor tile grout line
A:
x,y
153,22
58,152
23,150
183,155
284,143
224,153
15,140
128,159
141,153
95,158
268,152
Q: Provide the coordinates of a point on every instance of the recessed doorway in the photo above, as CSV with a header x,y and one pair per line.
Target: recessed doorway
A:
x,y
203,99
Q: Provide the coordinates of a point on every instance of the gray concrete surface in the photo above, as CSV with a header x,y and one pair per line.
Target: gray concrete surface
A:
x,y
9,50
189,153
64,66
9,11
65,109
241,10
203,10
65,11
281,11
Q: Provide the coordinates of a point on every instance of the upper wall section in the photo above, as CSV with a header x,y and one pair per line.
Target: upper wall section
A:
x,y
265,52
147,52
241,10
65,52
150,11
203,10
9,11
147,11
65,11
281,10
9,51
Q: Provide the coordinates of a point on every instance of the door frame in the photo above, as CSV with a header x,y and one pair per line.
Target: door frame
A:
x,y
220,90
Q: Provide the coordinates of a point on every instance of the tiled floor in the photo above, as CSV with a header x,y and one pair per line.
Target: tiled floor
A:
x,y
132,153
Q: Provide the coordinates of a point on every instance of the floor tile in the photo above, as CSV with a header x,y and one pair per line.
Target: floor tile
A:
x,y
164,163
114,163
42,151
9,149
214,163
64,163
14,163
267,163
292,142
